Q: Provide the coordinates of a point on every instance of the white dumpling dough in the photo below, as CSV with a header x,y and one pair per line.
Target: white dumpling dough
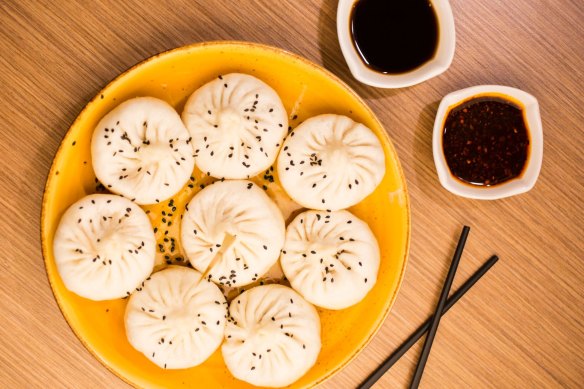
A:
x,y
177,320
141,150
330,162
233,232
104,247
238,123
272,337
330,258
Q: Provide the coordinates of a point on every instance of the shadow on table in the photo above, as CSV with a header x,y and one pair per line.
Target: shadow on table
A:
x,y
425,172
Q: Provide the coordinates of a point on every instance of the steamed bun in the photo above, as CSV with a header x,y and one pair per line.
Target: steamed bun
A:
x,y
238,123
272,337
330,258
104,247
330,162
177,320
141,150
233,232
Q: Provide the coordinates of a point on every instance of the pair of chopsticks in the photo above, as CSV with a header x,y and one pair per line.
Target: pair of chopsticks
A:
x,y
431,325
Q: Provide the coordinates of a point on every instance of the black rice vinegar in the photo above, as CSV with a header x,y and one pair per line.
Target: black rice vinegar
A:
x,y
394,36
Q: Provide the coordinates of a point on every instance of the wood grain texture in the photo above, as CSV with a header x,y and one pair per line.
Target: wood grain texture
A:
x,y
521,326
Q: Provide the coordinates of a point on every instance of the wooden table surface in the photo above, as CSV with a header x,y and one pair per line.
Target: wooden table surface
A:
x,y
521,326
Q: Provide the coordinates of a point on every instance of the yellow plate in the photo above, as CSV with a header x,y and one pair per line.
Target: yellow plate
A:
x,y
306,90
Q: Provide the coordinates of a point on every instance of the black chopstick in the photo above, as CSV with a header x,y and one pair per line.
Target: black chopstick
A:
x,y
408,343
439,308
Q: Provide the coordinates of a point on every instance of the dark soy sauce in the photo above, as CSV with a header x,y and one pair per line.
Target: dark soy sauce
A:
x,y
394,36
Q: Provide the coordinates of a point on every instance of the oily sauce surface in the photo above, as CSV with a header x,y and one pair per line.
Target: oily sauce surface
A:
x,y
394,36
485,141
